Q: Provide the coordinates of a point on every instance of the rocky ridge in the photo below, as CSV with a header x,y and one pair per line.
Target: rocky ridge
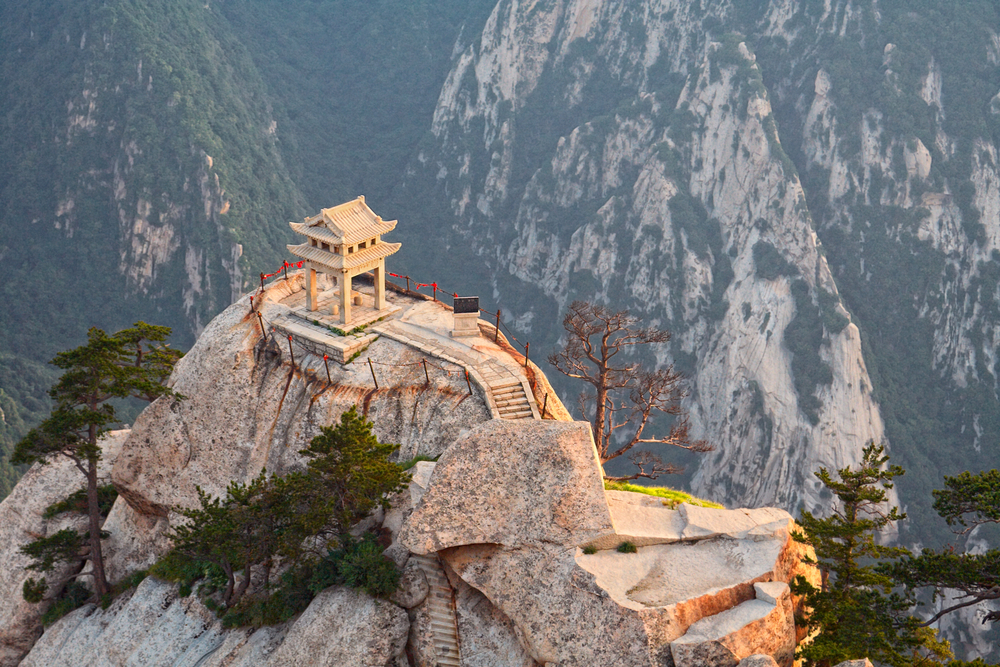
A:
x,y
501,519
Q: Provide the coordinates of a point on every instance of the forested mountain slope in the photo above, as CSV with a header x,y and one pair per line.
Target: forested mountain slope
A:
x,y
155,151
678,159
140,178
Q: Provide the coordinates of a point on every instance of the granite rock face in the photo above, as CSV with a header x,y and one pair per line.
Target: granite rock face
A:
x,y
706,586
513,483
248,408
762,625
155,628
21,521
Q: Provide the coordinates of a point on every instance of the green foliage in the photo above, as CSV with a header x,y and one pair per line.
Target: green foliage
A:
x,y
976,576
131,581
672,497
803,338
854,611
415,460
627,548
352,472
358,564
978,495
34,591
74,596
134,363
60,548
186,571
130,363
271,522
769,263
590,550
77,502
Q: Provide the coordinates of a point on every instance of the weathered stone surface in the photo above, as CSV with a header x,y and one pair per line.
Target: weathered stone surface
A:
x,y
20,522
758,660
558,598
513,483
412,587
420,643
487,637
343,627
247,408
642,520
865,662
404,502
763,625
155,628
668,574
561,614
703,522
136,540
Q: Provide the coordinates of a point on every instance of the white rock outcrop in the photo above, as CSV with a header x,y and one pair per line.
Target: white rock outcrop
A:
x,y
153,627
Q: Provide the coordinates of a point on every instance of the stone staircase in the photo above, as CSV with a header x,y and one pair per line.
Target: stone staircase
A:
x,y
441,609
511,400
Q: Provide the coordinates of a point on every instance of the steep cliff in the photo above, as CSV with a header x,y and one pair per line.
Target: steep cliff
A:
x,y
618,152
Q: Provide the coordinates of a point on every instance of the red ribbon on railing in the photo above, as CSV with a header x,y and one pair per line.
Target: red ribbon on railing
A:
x,y
286,265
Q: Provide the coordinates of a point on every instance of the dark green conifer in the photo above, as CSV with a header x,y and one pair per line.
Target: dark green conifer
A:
x,y
135,363
854,612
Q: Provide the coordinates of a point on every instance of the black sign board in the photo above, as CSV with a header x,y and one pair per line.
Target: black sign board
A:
x,y
466,304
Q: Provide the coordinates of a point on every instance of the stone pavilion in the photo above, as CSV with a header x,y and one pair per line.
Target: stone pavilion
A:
x,y
344,241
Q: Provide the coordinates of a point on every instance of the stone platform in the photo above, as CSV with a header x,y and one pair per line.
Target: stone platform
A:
x,y
320,340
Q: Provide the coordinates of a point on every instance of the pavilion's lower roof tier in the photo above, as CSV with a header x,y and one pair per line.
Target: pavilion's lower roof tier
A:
x,y
332,260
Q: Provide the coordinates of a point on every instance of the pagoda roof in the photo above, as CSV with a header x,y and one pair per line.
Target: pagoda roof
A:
x,y
349,223
337,261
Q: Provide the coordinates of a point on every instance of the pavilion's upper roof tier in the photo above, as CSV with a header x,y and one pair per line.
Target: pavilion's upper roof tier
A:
x,y
349,223
333,260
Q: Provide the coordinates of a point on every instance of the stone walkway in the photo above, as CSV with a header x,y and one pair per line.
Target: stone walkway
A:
x,y
426,326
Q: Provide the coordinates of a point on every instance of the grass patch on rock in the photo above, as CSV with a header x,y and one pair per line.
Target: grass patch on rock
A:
x,y
672,497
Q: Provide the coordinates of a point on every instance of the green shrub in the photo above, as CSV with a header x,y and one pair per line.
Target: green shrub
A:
x,y
590,550
131,581
34,591
627,548
289,598
769,263
415,460
359,565
74,596
77,502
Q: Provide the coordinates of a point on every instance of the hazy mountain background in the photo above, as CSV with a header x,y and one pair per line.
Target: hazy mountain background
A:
x,y
805,192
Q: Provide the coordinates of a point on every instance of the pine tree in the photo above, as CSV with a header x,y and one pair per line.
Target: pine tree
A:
x,y
968,500
135,363
288,520
854,612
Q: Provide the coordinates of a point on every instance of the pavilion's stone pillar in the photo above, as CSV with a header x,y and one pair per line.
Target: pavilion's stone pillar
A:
x,y
380,285
312,302
345,298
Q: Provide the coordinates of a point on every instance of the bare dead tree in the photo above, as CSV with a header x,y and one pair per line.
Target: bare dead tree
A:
x,y
596,336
